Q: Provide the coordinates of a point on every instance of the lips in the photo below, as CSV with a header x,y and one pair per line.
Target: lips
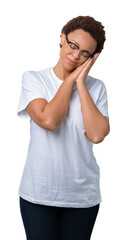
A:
x,y
70,61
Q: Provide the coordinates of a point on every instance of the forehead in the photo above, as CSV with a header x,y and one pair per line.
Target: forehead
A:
x,y
83,39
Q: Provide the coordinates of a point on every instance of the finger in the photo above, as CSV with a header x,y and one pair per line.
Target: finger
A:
x,y
89,65
83,65
96,55
89,62
87,68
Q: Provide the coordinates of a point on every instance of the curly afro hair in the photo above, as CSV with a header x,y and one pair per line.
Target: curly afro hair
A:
x,y
90,25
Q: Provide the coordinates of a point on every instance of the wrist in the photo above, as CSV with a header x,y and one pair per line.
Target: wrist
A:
x,y
70,79
80,83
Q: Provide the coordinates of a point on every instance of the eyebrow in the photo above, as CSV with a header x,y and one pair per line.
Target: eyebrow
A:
x,y
82,49
76,42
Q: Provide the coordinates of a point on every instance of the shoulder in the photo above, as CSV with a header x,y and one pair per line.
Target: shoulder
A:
x,y
94,82
36,73
95,85
37,76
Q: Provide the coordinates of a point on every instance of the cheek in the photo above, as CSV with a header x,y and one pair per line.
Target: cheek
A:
x,y
81,62
63,60
63,52
62,55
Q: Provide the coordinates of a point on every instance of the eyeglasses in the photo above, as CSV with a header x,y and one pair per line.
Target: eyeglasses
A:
x,y
72,47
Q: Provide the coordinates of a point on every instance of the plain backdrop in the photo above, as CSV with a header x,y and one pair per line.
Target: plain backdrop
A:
x,y
30,36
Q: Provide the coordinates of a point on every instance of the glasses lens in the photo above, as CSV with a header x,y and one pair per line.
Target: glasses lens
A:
x,y
73,46
85,54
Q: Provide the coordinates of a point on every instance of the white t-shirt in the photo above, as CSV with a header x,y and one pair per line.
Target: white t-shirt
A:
x,y
60,168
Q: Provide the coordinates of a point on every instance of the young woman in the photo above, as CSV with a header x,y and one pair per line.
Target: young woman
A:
x,y
68,109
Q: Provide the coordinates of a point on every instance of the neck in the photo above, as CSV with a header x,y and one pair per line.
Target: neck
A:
x,y
60,71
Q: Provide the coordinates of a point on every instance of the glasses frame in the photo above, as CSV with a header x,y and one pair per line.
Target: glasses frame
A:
x,y
81,51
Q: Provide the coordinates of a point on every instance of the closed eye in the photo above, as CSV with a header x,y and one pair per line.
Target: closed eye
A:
x,y
73,46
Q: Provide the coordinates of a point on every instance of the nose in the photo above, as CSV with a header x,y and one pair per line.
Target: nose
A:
x,y
76,54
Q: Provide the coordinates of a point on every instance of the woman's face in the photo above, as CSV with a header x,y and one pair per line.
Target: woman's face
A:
x,y
84,41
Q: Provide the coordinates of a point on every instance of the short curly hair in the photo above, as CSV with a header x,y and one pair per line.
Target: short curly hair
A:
x,y
90,25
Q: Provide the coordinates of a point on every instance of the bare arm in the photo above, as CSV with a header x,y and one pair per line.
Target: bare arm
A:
x,y
57,108
96,125
50,115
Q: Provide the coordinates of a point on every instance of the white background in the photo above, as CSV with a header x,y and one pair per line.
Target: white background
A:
x,y
30,35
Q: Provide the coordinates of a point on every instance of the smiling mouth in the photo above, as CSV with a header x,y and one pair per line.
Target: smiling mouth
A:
x,y
71,62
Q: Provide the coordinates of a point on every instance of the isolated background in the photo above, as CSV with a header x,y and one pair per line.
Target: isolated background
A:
x,y
30,35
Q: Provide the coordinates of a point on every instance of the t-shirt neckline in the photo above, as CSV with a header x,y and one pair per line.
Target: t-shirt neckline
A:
x,y
58,79
54,75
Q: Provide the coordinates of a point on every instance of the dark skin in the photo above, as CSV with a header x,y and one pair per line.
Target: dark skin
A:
x,y
71,66
84,40
85,68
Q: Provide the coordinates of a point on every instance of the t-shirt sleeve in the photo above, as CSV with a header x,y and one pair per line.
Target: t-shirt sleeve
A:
x,y
32,88
102,102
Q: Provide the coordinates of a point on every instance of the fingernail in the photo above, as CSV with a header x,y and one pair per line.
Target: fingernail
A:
x,y
97,54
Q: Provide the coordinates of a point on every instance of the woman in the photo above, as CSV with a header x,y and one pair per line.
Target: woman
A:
x,y
68,110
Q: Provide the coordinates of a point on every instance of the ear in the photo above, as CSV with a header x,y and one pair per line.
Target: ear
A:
x,y
63,38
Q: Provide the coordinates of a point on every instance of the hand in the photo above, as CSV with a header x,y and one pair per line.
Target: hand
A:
x,y
76,72
85,68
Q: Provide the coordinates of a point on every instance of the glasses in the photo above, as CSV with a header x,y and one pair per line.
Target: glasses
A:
x,y
72,47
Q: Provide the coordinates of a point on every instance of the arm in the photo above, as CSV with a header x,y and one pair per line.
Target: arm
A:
x,y
96,125
57,108
49,115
